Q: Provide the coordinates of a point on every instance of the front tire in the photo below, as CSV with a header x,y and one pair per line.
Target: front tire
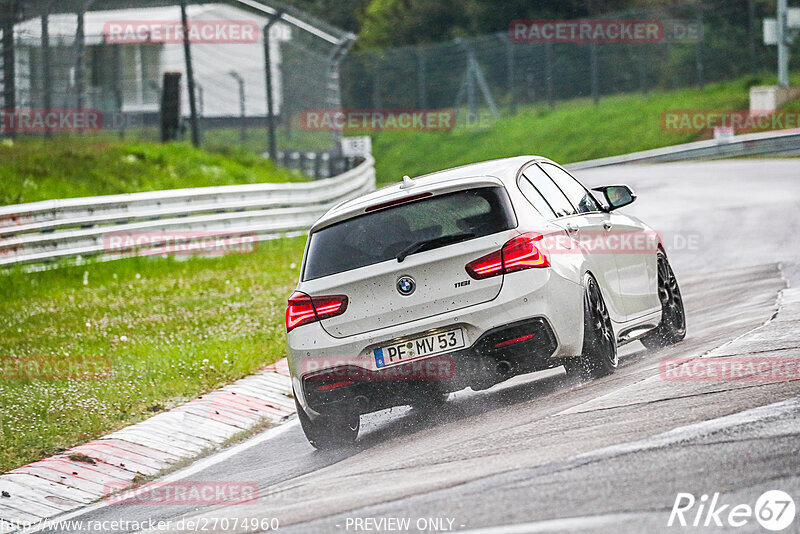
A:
x,y
599,355
329,431
672,328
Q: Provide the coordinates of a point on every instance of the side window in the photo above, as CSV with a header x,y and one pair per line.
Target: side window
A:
x,y
551,193
577,194
535,198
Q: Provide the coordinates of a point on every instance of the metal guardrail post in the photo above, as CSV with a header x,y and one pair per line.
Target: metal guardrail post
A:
x,y
317,162
326,161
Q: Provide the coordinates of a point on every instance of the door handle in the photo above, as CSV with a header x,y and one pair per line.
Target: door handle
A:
x,y
571,228
608,226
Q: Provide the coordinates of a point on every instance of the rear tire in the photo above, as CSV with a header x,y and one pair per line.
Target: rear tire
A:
x,y
328,432
599,354
672,328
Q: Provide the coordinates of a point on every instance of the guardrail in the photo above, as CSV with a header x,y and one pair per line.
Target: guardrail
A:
x,y
785,142
76,227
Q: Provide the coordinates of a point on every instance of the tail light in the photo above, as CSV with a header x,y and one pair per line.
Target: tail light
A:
x,y
303,309
518,254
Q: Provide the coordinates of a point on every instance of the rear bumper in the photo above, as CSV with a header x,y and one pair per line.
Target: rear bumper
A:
x,y
526,295
500,353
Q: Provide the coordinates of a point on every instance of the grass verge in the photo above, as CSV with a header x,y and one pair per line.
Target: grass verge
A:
x,y
38,169
169,331
571,131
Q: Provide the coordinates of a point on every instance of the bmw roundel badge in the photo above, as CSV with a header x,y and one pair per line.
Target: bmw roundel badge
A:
x,y
406,285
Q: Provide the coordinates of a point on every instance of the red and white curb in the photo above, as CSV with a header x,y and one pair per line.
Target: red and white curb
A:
x,y
43,489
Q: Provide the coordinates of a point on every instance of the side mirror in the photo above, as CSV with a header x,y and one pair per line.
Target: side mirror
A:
x,y
617,196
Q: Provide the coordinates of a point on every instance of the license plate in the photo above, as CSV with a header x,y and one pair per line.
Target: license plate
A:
x,y
419,348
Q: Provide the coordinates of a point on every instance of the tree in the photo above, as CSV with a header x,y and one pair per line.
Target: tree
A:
x,y
386,23
344,14
399,22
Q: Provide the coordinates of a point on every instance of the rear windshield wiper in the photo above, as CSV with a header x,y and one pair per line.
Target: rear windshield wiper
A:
x,y
432,243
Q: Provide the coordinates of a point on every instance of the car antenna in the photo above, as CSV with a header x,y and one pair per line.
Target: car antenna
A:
x,y
408,183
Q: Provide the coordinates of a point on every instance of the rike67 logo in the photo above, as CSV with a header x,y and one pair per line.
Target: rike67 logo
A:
x,y
774,510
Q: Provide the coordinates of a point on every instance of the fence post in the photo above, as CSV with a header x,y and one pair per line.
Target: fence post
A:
x,y
333,97
187,53
9,15
422,81
698,51
118,95
80,72
474,80
643,74
511,73
595,68
201,103
784,50
242,106
752,36
286,109
272,142
376,84
317,165
472,102
548,58
47,86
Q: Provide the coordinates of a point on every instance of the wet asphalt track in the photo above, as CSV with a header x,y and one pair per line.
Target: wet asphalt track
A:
x,y
542,454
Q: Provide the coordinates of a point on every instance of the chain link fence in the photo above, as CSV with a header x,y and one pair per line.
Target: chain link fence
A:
x,y
108,57
98,69
702,42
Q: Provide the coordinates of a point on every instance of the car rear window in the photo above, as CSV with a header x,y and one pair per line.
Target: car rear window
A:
x,y
382,235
